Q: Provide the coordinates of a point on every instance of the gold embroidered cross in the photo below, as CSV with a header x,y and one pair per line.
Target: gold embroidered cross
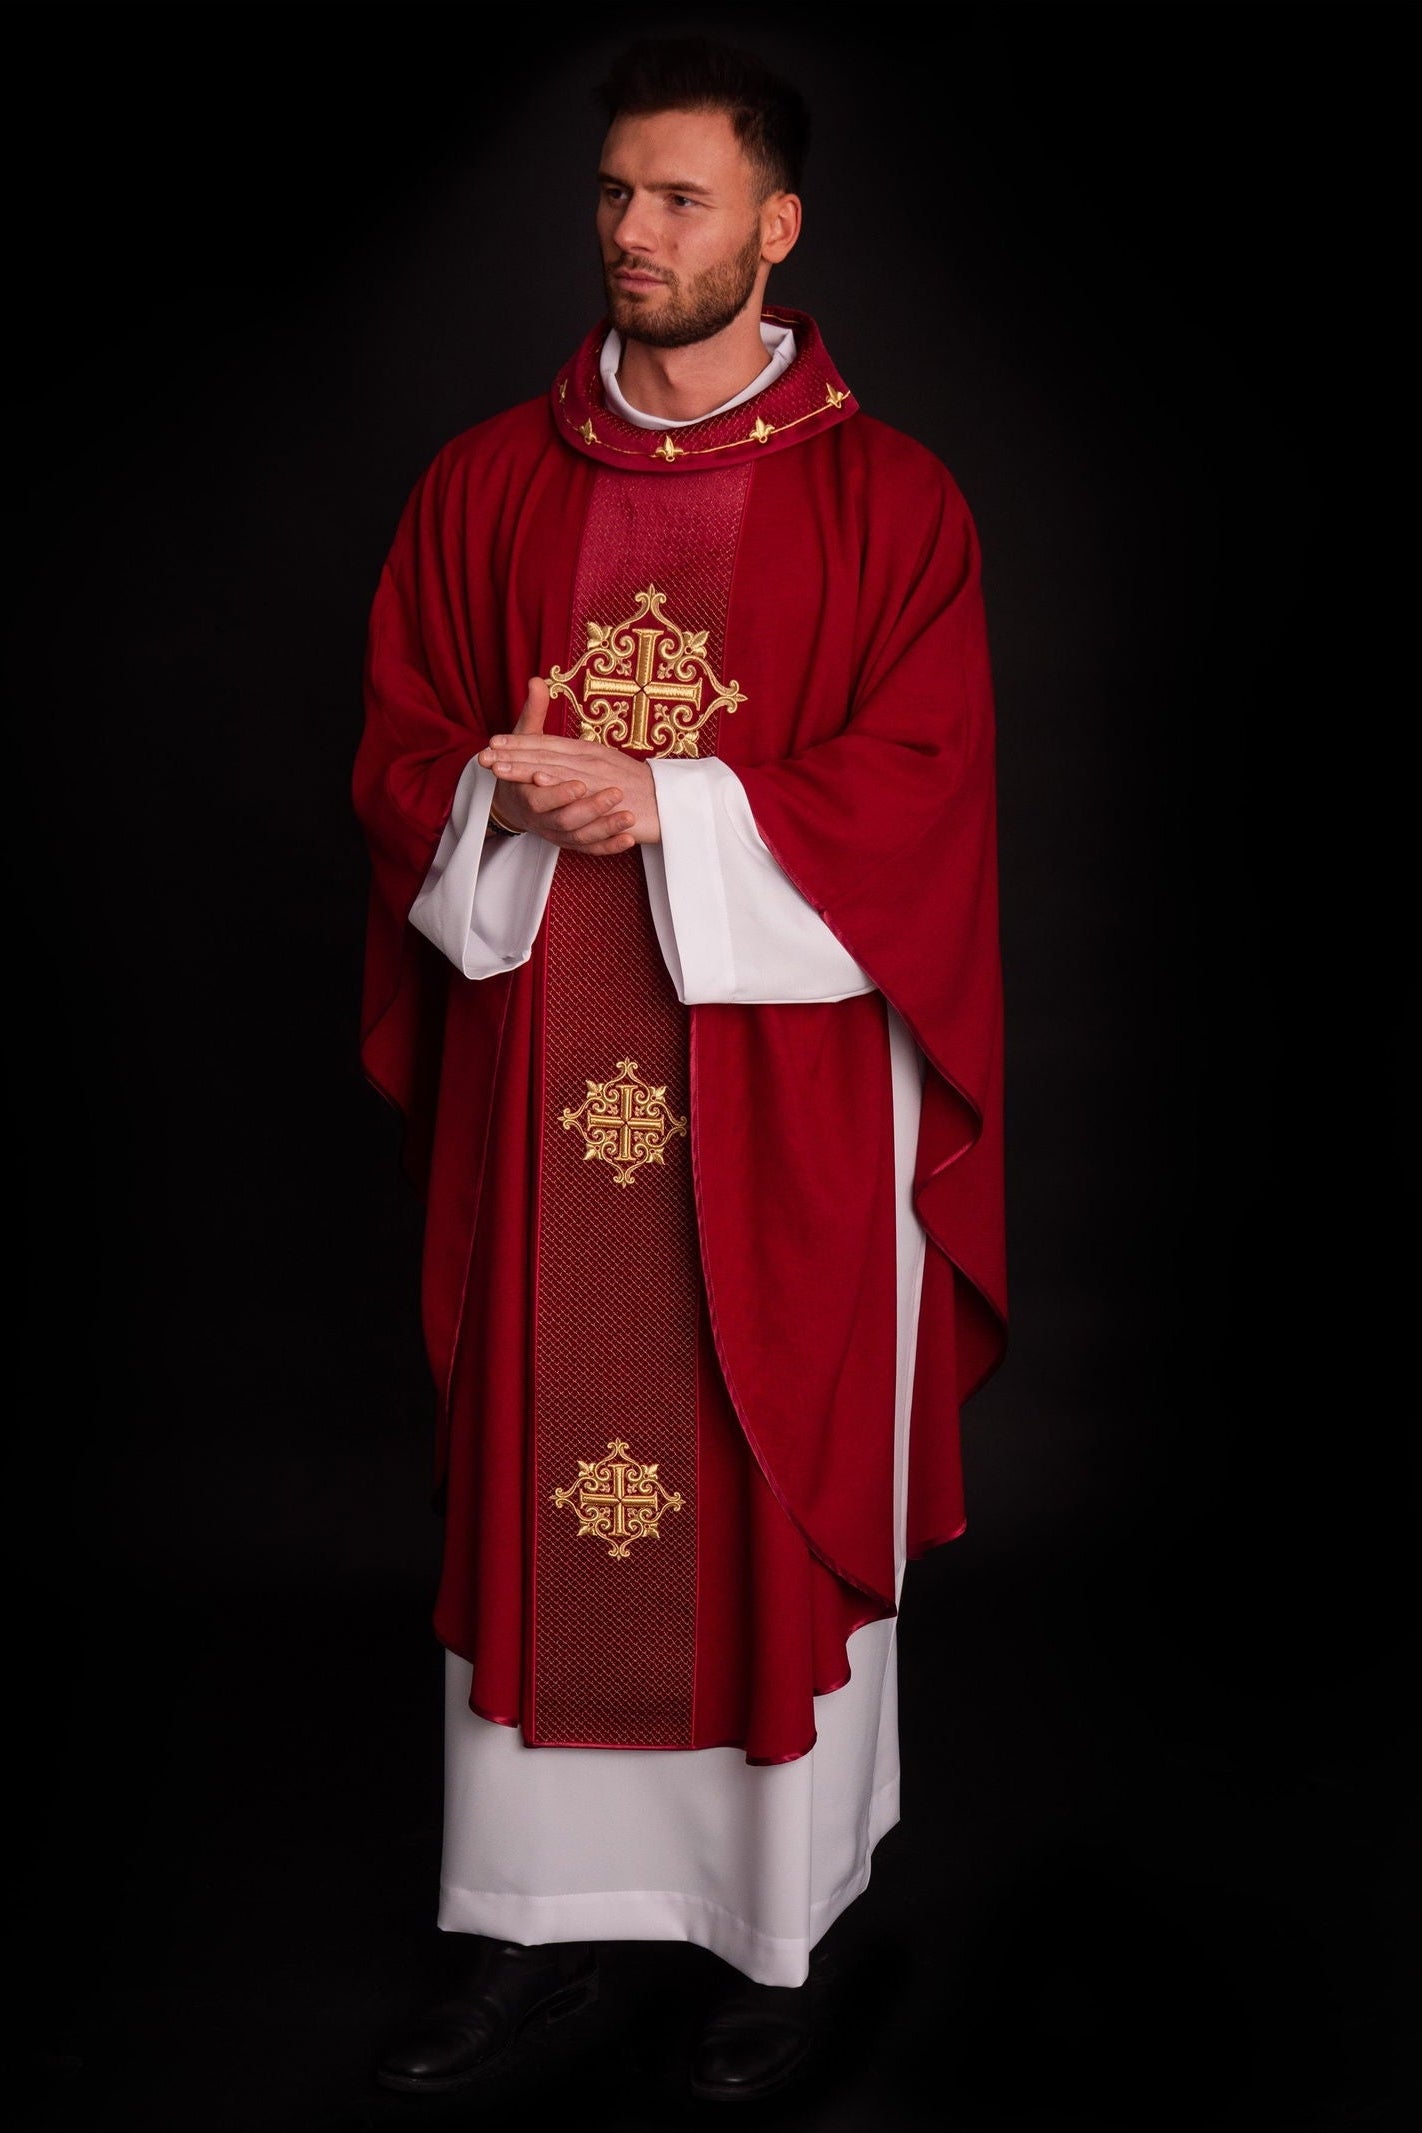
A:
x,y
625,1121
618,1500
666,692
643,684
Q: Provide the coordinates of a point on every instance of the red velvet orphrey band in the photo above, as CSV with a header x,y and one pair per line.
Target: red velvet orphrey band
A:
x,y
659,1258
618,1300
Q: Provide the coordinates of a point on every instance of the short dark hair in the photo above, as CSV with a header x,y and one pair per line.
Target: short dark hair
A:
x,y
771,119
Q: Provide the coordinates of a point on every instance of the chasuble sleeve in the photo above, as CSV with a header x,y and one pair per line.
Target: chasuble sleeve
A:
x,y
424,723
887,826
886,823
421,727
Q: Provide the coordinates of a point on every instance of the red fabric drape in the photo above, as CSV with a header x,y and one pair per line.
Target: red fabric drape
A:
x,y
855,632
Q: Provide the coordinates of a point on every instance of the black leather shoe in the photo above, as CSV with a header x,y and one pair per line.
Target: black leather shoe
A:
x,y
507,1989
754,2041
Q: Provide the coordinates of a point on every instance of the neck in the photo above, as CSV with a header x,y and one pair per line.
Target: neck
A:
x,y
682,383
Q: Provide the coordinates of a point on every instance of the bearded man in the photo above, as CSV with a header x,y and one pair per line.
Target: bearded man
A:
x,y
685,978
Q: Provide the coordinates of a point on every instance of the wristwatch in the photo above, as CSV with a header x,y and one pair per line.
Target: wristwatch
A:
x,y
501,829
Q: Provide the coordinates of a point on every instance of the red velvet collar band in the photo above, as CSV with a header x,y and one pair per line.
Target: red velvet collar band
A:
x,y
809,398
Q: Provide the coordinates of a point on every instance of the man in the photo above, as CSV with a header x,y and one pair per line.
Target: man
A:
x,y
683,969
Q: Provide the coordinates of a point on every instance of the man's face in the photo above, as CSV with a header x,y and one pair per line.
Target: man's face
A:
x,y
680,226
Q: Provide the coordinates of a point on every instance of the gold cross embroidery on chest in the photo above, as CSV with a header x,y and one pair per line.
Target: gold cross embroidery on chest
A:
x,y
645,684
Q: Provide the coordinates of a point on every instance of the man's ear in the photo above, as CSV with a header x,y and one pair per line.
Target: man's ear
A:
x,y
779,226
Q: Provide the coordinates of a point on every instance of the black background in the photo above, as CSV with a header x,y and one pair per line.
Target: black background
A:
x,y
1136,274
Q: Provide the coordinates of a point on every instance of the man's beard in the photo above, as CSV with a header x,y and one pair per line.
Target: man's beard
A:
x,y
708,306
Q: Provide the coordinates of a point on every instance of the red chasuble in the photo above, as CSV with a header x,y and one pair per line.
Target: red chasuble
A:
x,y
659,1277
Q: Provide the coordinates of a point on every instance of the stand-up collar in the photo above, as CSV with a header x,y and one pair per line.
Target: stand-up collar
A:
x,y
810,397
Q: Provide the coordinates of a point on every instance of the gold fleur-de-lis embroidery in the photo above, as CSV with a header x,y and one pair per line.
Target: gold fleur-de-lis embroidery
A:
x,y
668,451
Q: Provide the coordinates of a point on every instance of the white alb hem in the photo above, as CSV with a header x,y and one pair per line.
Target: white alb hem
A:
x,y
667,1914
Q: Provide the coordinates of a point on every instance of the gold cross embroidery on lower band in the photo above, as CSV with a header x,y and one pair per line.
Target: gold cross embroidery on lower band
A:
x,y
618,1499
625,1121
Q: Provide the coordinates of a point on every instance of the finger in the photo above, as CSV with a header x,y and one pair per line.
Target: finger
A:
x,y
547,800
528,762
571,745
583,818
535,707
585,812
600,831
529,773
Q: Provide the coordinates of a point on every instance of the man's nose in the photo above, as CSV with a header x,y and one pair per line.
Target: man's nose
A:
x,y
633,231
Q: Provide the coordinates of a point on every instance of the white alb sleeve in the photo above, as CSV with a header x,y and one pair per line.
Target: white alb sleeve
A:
x,y
483,899
731,927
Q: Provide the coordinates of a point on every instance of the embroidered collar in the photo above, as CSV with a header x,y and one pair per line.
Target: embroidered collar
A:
x,y
810,397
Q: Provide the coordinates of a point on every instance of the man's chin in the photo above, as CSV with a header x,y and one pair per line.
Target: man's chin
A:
x,y
630,309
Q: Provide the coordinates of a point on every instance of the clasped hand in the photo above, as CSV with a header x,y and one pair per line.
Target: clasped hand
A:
x,y
572,792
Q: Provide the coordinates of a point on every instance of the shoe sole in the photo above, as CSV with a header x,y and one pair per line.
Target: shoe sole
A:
x,y
571,2000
